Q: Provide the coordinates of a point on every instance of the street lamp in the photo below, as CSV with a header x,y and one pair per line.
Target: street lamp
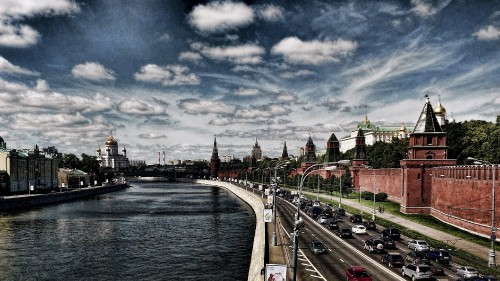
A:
x,y
492,254
279,165
374,191
298,221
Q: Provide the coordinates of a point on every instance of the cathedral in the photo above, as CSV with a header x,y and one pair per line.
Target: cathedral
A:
x,y
111,158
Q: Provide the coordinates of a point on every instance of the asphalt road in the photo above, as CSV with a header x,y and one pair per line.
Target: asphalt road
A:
x,y
342,253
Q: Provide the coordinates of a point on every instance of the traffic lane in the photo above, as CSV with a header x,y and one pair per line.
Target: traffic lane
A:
x,y
340,256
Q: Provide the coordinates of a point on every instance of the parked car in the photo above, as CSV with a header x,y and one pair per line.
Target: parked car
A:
x,y
370,225
393,259
440,255
417,257
417,271
356,219
357,273
394,233
467,271
318,247
418,245
359,229
333,225
388,243
437,270
343,232
374,245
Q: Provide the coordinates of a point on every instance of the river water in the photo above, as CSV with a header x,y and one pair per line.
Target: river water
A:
x,y
150,231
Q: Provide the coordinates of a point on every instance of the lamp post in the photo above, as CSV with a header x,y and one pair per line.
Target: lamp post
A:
x,y
298,221
374,191
279,165
492,254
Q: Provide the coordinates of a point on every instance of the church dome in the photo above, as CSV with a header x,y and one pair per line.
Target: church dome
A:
x,y
111,141
439,109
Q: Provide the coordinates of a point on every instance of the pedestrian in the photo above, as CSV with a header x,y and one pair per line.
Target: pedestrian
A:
x,y
383,209
379,209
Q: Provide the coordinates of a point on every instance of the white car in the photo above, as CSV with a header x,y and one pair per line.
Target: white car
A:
x,y
467,271
359,229
418,245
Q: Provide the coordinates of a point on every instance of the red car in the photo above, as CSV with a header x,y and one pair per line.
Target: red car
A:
x,y
357,273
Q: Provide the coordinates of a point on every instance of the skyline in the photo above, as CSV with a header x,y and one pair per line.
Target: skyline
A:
x,y
171,75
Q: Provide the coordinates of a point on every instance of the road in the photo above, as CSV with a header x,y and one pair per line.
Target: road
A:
x,y
342,253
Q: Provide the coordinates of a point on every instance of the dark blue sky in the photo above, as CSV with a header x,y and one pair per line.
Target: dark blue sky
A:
x,y
169,75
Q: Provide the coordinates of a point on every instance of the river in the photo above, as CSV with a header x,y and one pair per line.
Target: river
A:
x,y
150,231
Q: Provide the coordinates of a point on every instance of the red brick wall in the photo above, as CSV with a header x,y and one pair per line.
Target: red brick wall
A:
x,y
385,180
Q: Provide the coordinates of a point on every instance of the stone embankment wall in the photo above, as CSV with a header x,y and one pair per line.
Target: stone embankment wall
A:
x,y
259,242
26,201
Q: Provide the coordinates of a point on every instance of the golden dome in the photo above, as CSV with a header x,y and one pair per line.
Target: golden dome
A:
x,y
365,121
439,109
111,141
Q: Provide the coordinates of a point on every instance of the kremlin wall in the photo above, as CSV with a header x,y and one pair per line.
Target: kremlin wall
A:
x,y
427,182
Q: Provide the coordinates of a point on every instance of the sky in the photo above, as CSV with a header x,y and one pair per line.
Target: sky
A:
x,y
171,75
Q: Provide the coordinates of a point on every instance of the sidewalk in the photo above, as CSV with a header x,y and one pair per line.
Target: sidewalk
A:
x,y
473,248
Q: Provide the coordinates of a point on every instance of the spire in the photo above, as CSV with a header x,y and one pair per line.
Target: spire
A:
x,y
360,145
332,149
427,122
310,150
215,161
284,154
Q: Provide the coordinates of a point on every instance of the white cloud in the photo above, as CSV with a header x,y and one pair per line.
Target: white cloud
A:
x,y
295,74
221,16
169,75
271,13
194,106
489,33
190,56
7,67
34,122
152,135
246,92
267,111
313,52
424,8
242,54
136,107
42,86
92,71
13,34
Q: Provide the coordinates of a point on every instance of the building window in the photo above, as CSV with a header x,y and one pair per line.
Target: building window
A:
x,y
429,140
428,157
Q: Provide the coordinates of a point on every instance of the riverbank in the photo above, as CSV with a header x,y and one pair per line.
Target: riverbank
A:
x,y
259,242
16,202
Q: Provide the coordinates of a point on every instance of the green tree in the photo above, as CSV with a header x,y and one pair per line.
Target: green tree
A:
x,y
70,161
89,164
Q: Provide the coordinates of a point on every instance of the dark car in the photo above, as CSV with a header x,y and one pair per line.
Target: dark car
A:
x,y
340,212
373,245
440,255
357,273
343,232
393,259
370,225
318,247
356,218
388,243
394,233
437,271
417,257
333,225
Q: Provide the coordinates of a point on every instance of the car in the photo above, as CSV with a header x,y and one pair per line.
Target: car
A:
x,y
467,271
343,232
418,245
439,255
333,225
373,245
437,270
340,212
394,233
316,204
322,219
370,225
359,229
388,243
417,271
337,218
393,259
356,219
417,257
357,273
318,247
